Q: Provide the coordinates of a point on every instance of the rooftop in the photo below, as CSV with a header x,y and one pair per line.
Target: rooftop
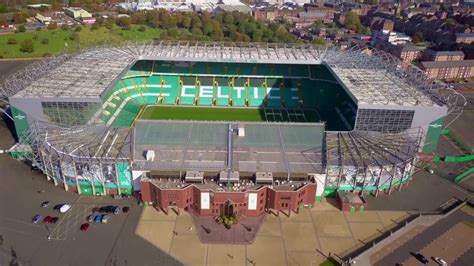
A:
x,y
372,77
439,64
266,147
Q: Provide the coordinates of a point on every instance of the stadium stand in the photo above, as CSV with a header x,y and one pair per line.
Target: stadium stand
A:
x,y
295,87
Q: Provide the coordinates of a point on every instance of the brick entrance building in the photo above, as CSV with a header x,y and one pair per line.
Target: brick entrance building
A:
x,y
210,199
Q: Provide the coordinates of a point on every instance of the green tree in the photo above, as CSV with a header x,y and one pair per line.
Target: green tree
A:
x,y
142,28
12,41
318,41
164,35
352,21
45,41
124,22
3,8
52,26
18,18
228,18
418,37
21,28
186,22
196,22
27,46
375,2
450,21
78,29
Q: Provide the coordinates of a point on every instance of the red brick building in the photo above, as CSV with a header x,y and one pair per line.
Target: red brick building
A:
x,y
432,55
448,69
211,199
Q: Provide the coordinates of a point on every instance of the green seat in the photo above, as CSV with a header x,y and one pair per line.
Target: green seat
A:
x,y
223,92
170,89
188,90
239,92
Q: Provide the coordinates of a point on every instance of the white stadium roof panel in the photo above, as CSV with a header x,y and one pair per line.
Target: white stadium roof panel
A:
x,y
371,77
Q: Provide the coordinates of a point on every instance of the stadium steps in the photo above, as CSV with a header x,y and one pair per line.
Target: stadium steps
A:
x,y
189,90
171,90
239,83
223,93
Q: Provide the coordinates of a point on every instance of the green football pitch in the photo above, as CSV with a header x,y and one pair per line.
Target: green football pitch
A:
x,y
229,114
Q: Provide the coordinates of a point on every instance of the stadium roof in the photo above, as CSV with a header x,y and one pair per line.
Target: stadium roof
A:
x,y
372,77
283,148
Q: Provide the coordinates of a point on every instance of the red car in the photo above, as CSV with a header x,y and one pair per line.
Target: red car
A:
x,y
48,219
84,227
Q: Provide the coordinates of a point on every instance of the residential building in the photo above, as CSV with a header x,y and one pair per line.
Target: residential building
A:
x,y
406,53
448,69
432,55
465,37
381,24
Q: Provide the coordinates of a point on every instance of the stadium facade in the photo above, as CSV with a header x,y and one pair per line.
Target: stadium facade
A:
x,y
322,119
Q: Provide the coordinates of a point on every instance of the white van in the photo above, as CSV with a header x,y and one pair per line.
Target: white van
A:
x,y
64,208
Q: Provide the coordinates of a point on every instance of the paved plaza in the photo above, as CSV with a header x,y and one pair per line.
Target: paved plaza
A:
x,y
301,239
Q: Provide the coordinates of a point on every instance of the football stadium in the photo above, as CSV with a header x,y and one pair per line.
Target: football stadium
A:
x,y
213,126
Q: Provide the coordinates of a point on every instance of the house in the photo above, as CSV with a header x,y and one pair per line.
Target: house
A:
x,y
432,55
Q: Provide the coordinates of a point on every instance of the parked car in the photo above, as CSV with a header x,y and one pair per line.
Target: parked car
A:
x,y
117,210
125,209
45,204
57,207
36,219
98,218
105,219
420,257
47,219
103,209
95,210
64,208
440,261
90,218
84,227
109,209
54,220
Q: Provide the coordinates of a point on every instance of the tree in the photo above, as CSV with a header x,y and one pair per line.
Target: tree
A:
x,y
27,46
12,41
352,21
186,22
95,26
3,8
418,37
318,41
375,2
164,35
21,28
45,41
52,26
450,21
18,18
78,29
142,28
124,22
442,7
228,18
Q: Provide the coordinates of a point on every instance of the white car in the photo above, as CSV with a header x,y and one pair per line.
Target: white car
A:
x,y
440,261
64,208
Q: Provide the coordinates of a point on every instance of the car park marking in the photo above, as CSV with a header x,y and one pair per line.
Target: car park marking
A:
x,y
39,224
